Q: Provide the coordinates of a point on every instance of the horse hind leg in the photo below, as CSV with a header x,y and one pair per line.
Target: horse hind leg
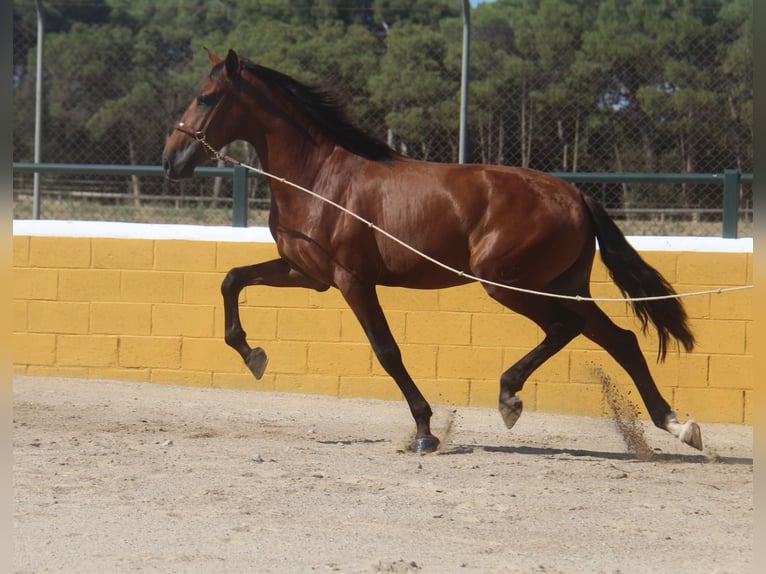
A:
x,y
622,345
560,327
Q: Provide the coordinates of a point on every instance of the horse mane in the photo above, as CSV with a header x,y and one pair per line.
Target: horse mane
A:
x,y
325,108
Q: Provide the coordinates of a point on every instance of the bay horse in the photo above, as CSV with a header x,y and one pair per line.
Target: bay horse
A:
x,y
512,226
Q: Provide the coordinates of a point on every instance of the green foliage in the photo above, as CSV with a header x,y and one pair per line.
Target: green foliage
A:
x,y
580,85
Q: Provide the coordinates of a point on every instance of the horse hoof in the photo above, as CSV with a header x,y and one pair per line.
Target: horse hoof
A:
x,y
257,361
510,410
691,434
425,444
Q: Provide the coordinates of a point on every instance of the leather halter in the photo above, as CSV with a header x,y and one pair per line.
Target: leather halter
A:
x,y
200,133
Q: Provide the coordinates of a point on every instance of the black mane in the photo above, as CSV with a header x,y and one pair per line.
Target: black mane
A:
x,y
326,110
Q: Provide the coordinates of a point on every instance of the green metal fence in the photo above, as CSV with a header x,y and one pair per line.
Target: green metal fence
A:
x,y
729,183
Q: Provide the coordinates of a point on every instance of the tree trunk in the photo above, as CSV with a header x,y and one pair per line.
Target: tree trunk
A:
x,y
134,179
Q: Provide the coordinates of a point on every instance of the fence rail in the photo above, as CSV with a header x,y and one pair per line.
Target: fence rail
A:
x,y
730,181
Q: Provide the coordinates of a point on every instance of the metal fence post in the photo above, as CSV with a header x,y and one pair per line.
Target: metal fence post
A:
x,y
730,202
239,199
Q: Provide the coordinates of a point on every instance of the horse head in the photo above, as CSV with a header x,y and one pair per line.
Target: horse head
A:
x,y
209,122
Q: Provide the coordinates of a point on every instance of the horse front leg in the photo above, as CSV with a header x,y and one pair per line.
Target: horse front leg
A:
x,y
274,273
363,301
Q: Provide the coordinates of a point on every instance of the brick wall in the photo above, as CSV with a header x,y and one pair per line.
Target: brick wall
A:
x,y
150,310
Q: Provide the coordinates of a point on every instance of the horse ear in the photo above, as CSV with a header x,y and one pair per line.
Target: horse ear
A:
x,y
232,64
212,57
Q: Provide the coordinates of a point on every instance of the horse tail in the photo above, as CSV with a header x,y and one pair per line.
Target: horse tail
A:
x,y
636,278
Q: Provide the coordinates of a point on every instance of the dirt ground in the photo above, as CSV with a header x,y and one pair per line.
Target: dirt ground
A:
x,y
125,477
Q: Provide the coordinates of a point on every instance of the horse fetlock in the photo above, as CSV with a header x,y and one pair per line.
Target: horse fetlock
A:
x,y
510,409
256,361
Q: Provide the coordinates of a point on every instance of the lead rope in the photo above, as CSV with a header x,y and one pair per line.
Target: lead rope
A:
x,y
200,137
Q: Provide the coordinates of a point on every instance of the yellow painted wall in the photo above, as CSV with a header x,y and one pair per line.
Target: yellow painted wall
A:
x,y
150,310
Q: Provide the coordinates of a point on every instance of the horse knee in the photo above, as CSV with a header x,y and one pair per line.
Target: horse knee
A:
x,y
231,283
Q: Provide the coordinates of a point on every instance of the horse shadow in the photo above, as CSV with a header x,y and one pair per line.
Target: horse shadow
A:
x,y
702,458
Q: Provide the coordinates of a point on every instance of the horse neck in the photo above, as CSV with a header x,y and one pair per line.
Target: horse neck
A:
x,y
288,144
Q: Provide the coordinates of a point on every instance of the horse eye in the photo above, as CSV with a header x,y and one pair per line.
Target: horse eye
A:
x,y
204,100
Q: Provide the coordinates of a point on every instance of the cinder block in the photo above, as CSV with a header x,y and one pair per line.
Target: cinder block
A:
x,y
584,366
143,352
471,298
20,316
503,329
89,285
731,371
58,317
469,362
696,306
243,381
455,392
627,399
236,254
555,369
419,360
666,262
202,288
185,320
443,327
281,297
396,298
260,323
339,358
34,349
181,255
111,253
351,331
58,371
86,350
581,343
748,415
732,305
35,284
719,269
720,336
484,393
60,252
681,369
329,299
20,251
710,405
599,272
210,355
120,318
286,357
369,387
152,286
182,377
120,374
308,324
307,384
570,398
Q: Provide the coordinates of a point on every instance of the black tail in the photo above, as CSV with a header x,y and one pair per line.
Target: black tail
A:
x,y
636,278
